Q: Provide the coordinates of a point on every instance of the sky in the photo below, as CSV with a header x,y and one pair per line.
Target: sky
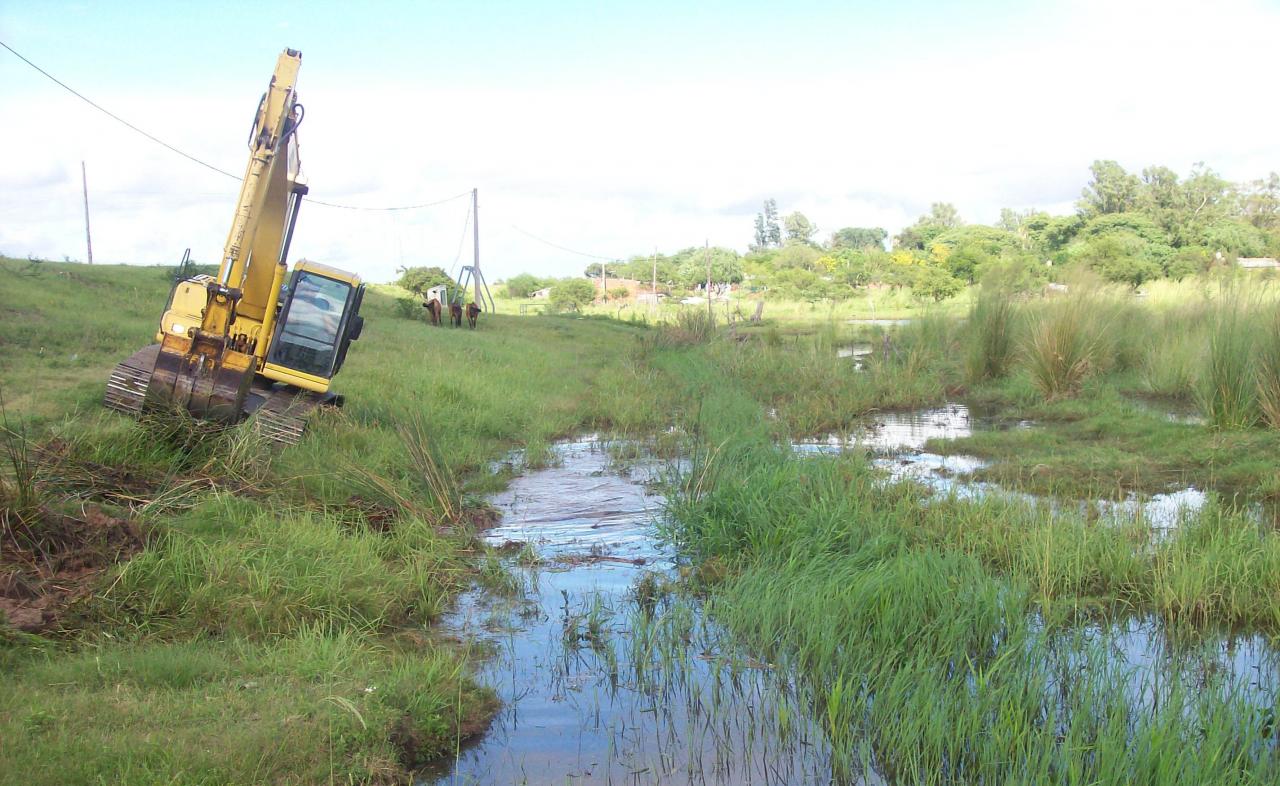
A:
x,y
596,129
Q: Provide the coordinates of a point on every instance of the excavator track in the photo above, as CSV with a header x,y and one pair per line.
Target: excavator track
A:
x,y
127,385
279,413
282,418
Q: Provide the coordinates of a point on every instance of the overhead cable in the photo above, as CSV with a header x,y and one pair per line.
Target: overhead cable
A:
x,y
194,159
564,248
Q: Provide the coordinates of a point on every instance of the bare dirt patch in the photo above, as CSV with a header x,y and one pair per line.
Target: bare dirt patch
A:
x,y
48,560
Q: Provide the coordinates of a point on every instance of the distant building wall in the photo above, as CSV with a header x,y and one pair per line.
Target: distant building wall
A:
x,y
1254,263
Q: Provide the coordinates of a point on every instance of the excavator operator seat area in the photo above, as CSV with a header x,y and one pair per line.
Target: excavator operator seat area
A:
x,y
312,324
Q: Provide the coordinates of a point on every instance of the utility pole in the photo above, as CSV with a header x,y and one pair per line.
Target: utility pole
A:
x,y
707,252
475,239
88,237
604,282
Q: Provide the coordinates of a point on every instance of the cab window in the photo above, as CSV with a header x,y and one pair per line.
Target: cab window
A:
x,y
308,337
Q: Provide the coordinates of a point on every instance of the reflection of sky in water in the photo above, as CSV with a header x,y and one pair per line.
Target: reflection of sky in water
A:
x,y
663,702
897,441
668,698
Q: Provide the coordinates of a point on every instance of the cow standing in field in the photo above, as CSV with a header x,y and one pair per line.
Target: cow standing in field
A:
x,y
455,314
433,311
473,311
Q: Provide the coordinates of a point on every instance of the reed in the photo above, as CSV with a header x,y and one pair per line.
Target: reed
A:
x,y
1228,390
1063,346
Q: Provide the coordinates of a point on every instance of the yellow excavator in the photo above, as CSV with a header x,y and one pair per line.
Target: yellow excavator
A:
x,y
255,339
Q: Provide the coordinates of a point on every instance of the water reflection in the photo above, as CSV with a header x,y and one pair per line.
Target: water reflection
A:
x,y
605,676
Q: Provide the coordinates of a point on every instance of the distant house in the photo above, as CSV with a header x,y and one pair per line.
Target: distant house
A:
x,y
1258,263
541,294
649,298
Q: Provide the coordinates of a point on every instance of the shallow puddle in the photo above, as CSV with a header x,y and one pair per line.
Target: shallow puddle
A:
x,y
604,676
607,676
896,443
873,322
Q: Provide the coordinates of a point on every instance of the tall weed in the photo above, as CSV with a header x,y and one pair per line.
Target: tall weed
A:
x,y
1064,346
1268,366
1228,390
991,337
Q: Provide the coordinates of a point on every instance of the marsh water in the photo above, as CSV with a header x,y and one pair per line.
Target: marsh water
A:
x,y
606,676
896,441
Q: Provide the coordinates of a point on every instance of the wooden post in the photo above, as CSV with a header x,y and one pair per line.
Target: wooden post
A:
x,y
88,237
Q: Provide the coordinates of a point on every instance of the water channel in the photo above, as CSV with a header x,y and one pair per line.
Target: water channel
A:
x,y
607,677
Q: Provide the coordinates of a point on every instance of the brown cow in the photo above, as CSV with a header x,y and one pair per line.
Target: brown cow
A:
x,y
433,311
473,311
455,314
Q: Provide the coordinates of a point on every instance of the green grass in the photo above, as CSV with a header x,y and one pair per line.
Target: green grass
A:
x,y
276,628
936,642
306,573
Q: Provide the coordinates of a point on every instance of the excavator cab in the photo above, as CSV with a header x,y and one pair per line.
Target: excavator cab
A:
x,y
319,318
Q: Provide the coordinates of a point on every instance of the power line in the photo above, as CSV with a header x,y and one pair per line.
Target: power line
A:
x,y
398,207
114,116
564,248
466,221
190,157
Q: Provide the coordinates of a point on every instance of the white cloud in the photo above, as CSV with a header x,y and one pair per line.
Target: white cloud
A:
x,y
620,165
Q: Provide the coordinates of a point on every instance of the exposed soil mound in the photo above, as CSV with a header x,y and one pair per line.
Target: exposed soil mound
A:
x,y
48,560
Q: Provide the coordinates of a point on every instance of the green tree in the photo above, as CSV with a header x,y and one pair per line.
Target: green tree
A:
x,y
1112,190
968,260
797,256
419,279
933,282
593,270
859,238
1235,238
762,234
1260,202
1120,255
941,217
773,233
799,228
523,285
571,294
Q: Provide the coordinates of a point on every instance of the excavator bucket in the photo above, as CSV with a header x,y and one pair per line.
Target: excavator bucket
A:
x,y
201,375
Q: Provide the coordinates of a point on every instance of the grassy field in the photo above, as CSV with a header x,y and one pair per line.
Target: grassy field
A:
x,y
276,624
270,618
958,640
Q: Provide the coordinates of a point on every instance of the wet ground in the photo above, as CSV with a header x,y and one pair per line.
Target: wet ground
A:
x,y
896,442
605,676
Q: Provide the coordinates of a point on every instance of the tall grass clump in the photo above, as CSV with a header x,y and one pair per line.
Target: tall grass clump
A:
x,y
691,326
1064,346
991,338
1174,348
1268,367
1228,390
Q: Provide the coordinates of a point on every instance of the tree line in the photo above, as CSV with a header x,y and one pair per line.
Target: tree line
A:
x,y
1127,228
